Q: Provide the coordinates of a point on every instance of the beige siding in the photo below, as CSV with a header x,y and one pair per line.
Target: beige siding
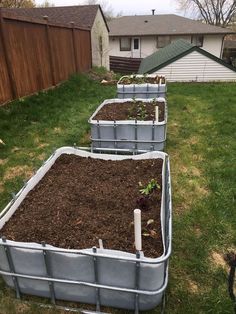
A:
x,y
100,57
211,43
115,48
148,46
196,67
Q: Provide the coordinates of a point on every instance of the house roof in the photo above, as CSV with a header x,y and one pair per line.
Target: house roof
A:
x,y
81,15
166,24
173,52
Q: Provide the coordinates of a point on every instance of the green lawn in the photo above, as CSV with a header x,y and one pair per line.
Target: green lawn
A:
x,y
201,144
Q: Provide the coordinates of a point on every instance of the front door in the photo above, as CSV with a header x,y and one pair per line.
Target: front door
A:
x,y
136,49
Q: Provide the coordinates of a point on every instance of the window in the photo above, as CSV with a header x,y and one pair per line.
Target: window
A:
x,y
163,41
136,43
125,44
197,40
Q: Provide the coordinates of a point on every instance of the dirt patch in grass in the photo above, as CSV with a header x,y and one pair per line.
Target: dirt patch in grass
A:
x,y
41,156
195,171
192,140
3,161
18,171
42,145
57,130
193,287
85,140
197,232
218,260
81,200
130,111
198,187
38,142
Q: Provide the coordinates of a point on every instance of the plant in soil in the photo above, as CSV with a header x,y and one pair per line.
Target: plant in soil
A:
x,y
152,185
81,200
149,230
143,201
131,110
142,80
139,108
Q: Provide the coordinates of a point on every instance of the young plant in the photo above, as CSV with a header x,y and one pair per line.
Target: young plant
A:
x,y
150,187
148,230
137,111
143,201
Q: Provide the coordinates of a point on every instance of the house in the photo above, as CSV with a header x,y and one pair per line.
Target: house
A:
x,y
141,35
88,16
185,62
229,54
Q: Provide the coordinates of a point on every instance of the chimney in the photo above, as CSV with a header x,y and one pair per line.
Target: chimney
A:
x,y
153,11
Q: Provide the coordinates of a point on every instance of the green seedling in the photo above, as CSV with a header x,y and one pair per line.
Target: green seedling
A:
x,y
141,111
151,186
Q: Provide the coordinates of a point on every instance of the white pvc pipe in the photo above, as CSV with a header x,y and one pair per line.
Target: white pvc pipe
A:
x,y
137,230
157,113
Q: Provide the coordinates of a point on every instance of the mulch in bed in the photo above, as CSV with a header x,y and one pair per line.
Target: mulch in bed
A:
x,y
142,80
81,200
139,110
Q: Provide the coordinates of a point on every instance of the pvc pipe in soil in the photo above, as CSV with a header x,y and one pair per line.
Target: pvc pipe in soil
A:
x,y
157,113
137,230
100,244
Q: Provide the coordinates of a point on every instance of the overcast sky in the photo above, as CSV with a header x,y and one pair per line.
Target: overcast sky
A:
x,y
128,7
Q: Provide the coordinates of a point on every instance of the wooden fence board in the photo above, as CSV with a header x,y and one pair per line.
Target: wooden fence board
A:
x,y
28,53
62,51
83,48
124,65
39,55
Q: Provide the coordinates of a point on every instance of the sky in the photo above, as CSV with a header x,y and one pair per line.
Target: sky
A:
x,y
129,7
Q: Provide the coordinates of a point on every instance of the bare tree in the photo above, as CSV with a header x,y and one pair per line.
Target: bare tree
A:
x,y
46,4
17,3
215,12
106,8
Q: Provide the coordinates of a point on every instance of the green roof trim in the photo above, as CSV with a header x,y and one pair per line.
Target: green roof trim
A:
x,y
173,52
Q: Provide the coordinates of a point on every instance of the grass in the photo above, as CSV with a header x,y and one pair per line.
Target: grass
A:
x,y
201,144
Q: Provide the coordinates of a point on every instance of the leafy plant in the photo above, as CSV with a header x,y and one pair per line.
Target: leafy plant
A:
x,y
151,186
137,111
141,111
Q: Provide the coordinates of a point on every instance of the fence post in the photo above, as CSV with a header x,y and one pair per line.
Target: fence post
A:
x,y
90,49
50,50
74,47
3,38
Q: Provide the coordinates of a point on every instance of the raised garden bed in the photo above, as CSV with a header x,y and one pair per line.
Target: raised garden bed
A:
x,y
141,86
129,124
63,205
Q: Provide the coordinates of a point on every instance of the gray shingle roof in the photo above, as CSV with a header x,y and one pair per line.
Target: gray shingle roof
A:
x,y
172,52
81,15
166,24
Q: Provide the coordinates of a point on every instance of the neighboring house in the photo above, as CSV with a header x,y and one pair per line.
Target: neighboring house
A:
x,y
88,16
184,62
229,54
141,35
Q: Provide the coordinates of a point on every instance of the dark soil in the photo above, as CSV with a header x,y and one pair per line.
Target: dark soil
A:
x,y
130,111
81,200
142,80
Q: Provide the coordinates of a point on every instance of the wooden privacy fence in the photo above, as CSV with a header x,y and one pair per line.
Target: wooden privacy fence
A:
x,y
124,65
36,54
